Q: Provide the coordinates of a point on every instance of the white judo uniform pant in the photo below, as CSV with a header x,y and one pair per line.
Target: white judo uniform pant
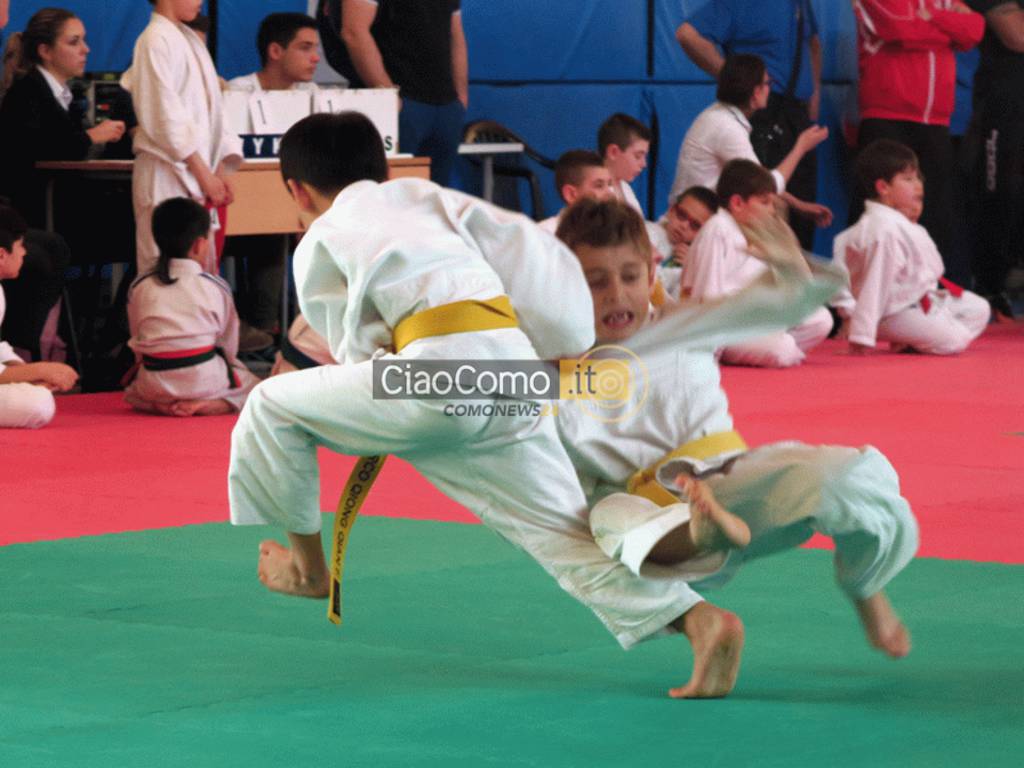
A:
x,y
153,181
782,349
25,406
947,328
786,492
510,471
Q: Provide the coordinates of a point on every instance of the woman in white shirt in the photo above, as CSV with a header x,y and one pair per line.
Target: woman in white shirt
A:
x,y
722,133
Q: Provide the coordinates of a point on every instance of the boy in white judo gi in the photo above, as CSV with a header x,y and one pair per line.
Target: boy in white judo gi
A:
x,y
379,254
673,234
675,492
182,146
579,173
720,264
183,324
623,142
26,389
897,293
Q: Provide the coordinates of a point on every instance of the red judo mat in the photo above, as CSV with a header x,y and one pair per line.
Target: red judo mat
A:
x,y
953,428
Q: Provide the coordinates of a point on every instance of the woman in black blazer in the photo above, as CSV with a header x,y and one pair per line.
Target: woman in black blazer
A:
x,y
36,124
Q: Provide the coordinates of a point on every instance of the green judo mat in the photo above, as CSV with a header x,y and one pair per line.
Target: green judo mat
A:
x,y
161,648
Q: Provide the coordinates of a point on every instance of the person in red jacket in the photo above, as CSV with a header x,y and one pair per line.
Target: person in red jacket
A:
x,y
906,58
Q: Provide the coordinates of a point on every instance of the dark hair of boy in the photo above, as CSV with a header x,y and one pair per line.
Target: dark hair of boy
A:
x,y
329,152
603,224
12,227
177,224
881,159
280,28
744,178
739,78
702,195
569,167
621,130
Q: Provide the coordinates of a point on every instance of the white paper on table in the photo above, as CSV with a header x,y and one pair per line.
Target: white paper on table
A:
x,y
236,111
274,112
380,105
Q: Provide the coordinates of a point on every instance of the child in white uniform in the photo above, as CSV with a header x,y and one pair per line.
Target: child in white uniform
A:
x,y
623,142
26,389
182,146
720,264
579,173
184,325
673,234
783,492
896,270
378,254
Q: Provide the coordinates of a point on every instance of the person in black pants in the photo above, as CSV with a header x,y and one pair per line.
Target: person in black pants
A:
x,y
998,132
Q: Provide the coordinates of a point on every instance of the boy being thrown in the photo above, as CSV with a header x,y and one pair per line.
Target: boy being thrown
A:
x,y
378,254
673,442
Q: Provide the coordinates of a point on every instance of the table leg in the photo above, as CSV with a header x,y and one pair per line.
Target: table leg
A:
x,y
285,286
488,163
49,204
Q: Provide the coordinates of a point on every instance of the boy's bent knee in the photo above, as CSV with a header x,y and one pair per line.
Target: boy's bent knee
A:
x,y
27,406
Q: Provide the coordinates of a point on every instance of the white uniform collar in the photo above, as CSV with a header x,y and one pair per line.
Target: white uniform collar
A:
x,y
876,208
61,92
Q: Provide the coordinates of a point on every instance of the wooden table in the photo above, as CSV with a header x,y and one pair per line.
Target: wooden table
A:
x,y
262,204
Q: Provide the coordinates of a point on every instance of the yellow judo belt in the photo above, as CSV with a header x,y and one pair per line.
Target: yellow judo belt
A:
x,y
645,482
458,317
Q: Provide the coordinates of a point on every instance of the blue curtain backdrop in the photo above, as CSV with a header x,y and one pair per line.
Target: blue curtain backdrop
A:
x,y
552,71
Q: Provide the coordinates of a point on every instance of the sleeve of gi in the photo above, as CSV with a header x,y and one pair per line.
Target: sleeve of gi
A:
x,y
872,273
161,113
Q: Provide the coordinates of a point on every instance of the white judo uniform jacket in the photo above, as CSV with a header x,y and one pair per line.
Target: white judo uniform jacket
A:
x,y
177,99
719,264
22,405
381,253
784,491
197,312
894,270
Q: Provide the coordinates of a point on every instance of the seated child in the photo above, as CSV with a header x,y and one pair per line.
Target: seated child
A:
x,y
720,264
26,389
579,173
385,251
301,348
675,492
183,324
674,232
623,142
897,293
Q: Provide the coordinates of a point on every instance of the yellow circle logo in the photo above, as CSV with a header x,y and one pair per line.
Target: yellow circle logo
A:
x,y
609,382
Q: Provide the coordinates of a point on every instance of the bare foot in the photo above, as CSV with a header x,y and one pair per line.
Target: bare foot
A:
x,y
279,573
200,407
712,527
717,639
884,629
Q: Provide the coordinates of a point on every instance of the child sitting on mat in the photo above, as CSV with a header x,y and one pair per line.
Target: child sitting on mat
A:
x,y
183,324
381,258
26,389
897,291
720,263
674,491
